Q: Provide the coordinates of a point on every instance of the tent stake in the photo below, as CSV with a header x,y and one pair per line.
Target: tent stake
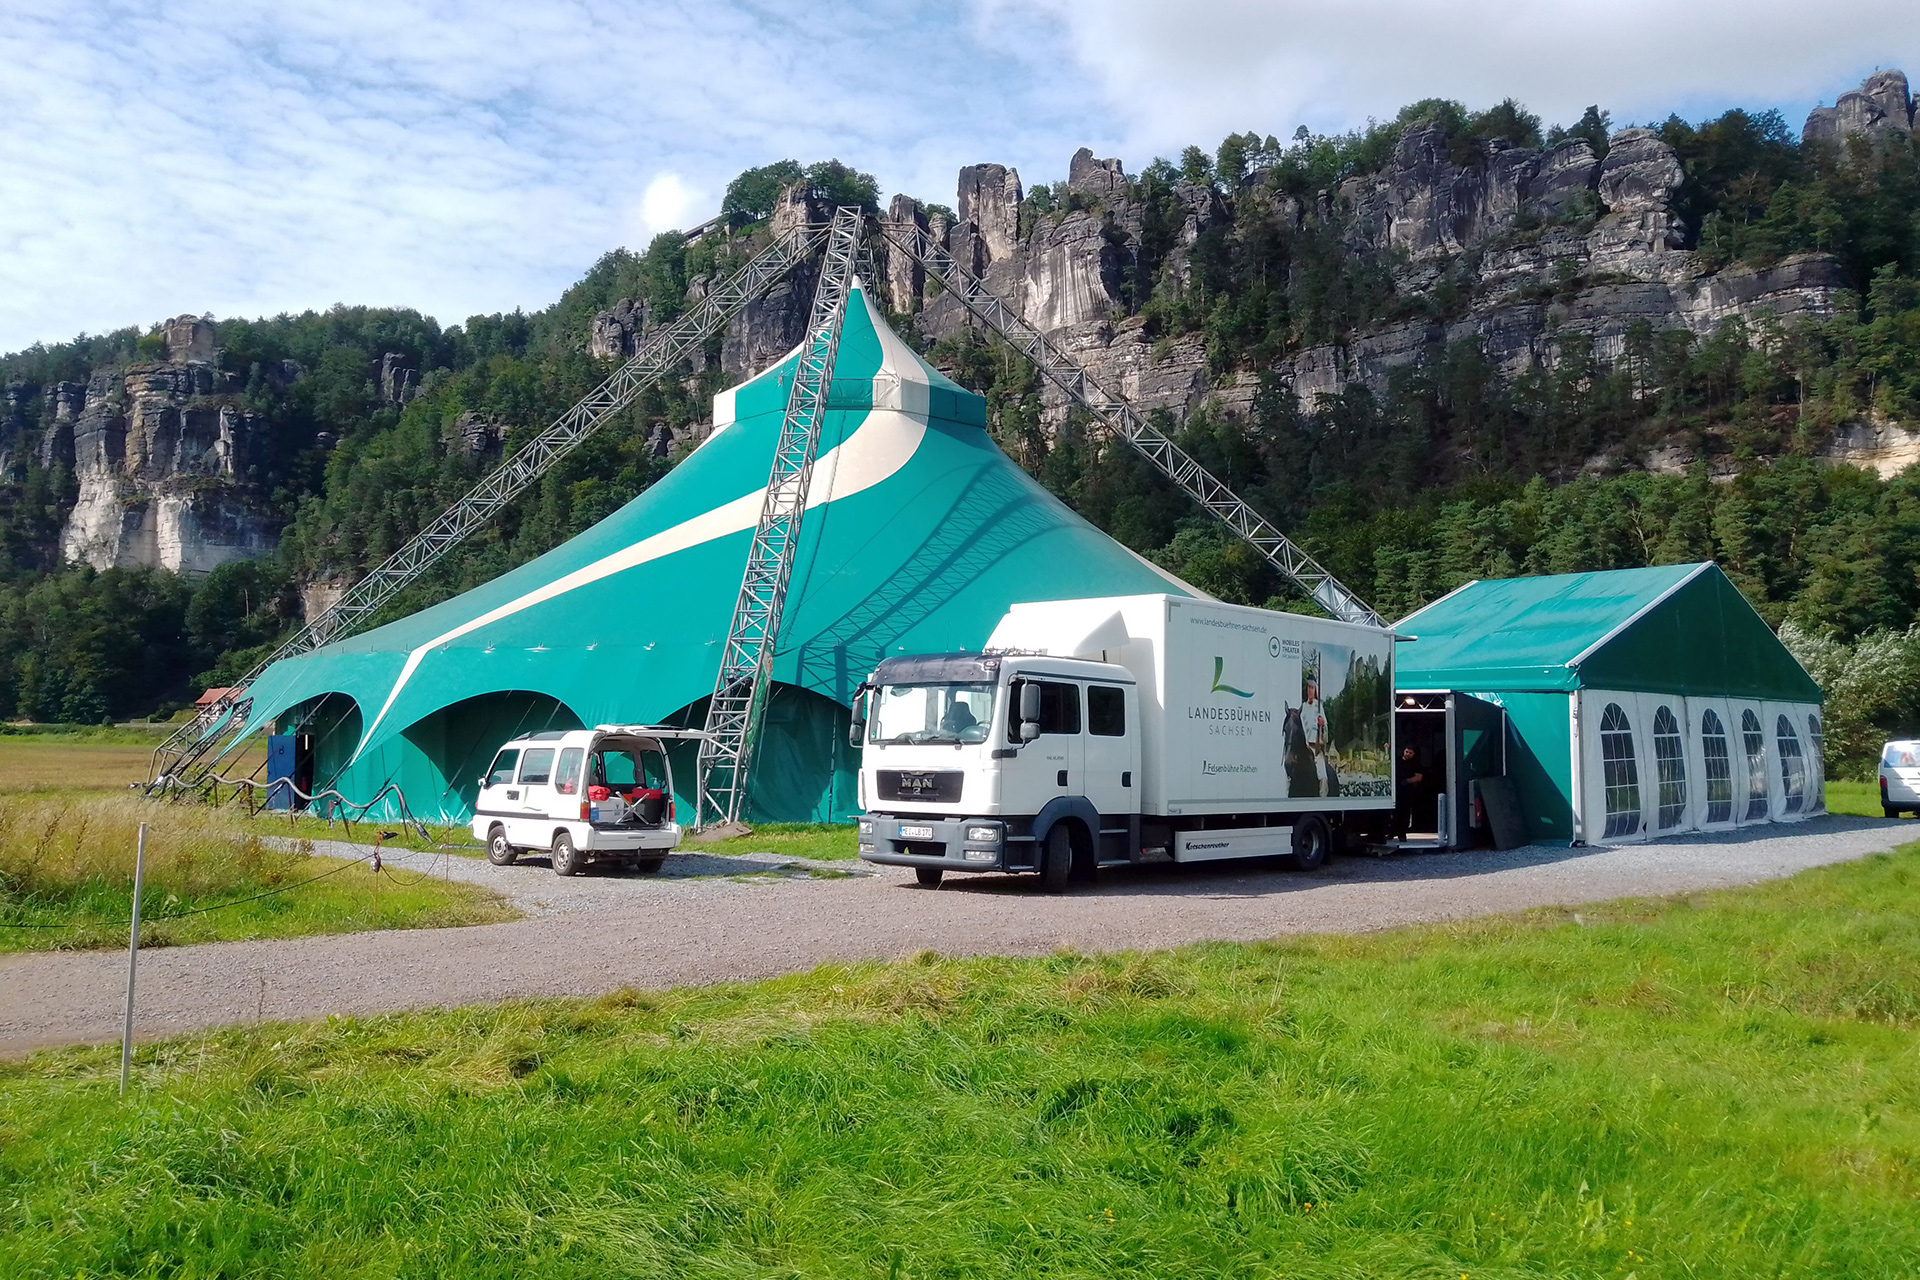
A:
x,y
133,958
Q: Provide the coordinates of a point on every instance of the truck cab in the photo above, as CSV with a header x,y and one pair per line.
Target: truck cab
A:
x,y
984,762
584,796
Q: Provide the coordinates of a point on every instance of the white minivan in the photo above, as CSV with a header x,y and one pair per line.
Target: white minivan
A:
x,y
583,796
1900,778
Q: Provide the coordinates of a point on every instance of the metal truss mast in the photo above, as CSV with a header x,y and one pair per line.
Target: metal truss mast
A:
x,y
740,691
1123,420
180,757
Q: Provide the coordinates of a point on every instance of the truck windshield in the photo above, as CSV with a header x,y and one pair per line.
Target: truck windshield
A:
x,y
931,713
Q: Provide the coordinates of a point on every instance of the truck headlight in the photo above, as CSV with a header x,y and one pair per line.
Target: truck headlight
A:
x,y
866,826
866,846
985,835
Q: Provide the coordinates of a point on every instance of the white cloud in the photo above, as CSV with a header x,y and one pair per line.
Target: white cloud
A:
x,y
669,204
1192,72
249,157
461,156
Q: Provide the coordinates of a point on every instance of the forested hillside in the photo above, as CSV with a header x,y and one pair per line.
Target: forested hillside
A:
x,y
1682,446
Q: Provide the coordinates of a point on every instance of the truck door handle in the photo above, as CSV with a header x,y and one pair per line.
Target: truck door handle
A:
x,y
513,795
1060,779
1126,778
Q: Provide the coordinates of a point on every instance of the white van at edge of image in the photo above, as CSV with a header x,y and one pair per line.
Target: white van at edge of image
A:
x,y
1900,778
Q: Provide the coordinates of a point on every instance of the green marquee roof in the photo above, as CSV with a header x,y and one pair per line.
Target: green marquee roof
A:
x,y
919,534
1682,629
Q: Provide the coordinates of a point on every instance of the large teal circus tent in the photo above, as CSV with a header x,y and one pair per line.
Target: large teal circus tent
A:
x,y
919,534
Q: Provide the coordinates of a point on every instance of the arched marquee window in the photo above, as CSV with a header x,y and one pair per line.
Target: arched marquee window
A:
x,y
1719,763
1755,741
1621,773
1817,765
1671,761
1793,768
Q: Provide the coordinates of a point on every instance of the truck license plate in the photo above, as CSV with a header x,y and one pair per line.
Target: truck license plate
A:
x,y
916,833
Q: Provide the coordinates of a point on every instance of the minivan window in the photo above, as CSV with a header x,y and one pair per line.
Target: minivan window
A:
x,y
1900,755
567,778
1106,711
502,771
1059,708
537,767
623,769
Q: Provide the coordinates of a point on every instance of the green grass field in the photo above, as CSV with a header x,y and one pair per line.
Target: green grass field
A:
x,y
831,841
1722,1086
784,839
70,763
66,879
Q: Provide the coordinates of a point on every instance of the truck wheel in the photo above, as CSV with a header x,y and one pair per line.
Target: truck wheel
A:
x,y
648,866
1312,842
1056,868
1890,811
929,877
499,852
566,859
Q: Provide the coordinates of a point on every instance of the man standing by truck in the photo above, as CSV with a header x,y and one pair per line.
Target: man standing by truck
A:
x,y
1411,791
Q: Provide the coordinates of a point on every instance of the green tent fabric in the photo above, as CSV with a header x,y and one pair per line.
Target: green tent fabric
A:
x,y
1531,644
1682,629
919,534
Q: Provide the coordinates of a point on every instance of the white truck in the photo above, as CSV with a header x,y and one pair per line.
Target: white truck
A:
x,y
1124,729
582,796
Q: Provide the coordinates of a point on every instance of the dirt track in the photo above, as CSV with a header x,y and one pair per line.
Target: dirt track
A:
x,y
707,923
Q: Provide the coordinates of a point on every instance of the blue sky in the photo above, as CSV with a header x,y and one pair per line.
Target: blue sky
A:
x,y
245,158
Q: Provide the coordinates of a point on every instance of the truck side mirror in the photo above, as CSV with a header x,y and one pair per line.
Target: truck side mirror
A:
x,y
857,729
1029,711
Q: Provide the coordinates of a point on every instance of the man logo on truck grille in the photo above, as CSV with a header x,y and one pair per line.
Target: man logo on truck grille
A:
x,y
1219,667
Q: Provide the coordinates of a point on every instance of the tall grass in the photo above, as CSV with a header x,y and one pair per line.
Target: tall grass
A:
x,y
67,860
35,764
1726,1085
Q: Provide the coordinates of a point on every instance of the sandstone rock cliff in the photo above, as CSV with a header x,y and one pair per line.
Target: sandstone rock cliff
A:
x,y
1541,246
1882,105
158,451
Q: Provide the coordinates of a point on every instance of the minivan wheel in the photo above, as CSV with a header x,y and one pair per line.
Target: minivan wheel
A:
x,y
1312,843
1057,867
499,852
928,877
566,859
1890,811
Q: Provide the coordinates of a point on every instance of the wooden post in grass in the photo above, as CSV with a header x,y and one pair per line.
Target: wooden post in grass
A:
x,y
133,958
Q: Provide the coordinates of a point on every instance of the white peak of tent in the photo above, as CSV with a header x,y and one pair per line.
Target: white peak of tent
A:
x,y
903,381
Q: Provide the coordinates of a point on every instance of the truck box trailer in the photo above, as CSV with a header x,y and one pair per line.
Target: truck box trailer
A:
x,y
1125,728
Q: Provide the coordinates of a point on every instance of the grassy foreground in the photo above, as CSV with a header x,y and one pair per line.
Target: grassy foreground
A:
x,y
67,859
1727,1085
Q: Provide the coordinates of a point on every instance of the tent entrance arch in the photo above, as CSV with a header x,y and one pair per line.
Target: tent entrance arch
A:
x,y
804,769
436,762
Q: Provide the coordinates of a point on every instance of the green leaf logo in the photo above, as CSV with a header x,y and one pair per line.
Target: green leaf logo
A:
x,y
1219,667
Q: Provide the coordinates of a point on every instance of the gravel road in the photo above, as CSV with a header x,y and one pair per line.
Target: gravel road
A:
x,y
705,921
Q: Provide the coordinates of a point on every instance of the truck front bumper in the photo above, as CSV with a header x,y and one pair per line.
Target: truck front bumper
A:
x,y
951,844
